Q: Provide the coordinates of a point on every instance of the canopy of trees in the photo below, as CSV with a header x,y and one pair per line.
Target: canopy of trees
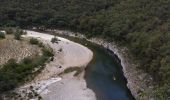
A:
x,y
143,25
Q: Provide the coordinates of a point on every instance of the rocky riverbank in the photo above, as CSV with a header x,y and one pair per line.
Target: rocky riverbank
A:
x,y
63,77
139,82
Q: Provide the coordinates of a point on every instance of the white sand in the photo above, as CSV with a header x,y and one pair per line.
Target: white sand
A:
x,y
69,88
50,86
74,53
40,86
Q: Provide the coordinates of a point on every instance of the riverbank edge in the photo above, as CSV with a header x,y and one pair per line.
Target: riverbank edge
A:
x,y
80,77
138,82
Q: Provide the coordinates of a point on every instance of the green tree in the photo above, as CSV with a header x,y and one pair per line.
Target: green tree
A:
x,y
34,41
2,35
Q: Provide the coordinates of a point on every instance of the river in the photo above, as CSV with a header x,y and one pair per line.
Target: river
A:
x,y
104,74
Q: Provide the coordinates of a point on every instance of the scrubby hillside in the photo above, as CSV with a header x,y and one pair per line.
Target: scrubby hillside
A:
x,y
142,25
13,49
20,59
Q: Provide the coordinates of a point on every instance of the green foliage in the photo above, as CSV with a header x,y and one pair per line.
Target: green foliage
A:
x,y
27,60
162,93
9,31
18,33
2,35
142,25
47,52
34,41
17,36
12,73
49,13
54,40
40,44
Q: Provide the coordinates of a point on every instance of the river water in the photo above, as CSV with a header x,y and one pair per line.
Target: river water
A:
x,y
104,74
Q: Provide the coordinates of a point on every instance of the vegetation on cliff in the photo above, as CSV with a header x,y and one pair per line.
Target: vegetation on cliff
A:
x,y
142,25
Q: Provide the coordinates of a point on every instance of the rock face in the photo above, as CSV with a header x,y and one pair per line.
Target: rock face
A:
x,y
137,80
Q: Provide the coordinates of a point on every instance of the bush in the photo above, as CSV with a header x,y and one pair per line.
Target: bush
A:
x,y
34,41
17,36
21,32
13,73
27,61
47,52
18,33
54,40
9,31
40,44
2,35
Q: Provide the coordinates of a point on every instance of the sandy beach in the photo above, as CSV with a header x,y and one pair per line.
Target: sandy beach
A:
x,y
137,80
48,84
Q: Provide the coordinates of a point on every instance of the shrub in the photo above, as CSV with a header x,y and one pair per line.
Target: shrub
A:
x,y
17,36
27,61
9,31
47,52
54,40
34,41
30,95
12,63
39,98
13,73
2,35
21,32
18,33
40,44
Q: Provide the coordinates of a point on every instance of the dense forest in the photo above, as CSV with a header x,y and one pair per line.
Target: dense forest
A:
x,y
142,25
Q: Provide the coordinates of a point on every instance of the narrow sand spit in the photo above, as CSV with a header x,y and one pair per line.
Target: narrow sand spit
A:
x,y
67,87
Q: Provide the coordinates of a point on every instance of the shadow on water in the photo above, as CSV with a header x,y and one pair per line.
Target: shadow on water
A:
x,y
104,73
105,77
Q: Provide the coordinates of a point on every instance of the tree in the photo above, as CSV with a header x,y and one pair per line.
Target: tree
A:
x,y
34,41
8,30
2,35
54,39
17,36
